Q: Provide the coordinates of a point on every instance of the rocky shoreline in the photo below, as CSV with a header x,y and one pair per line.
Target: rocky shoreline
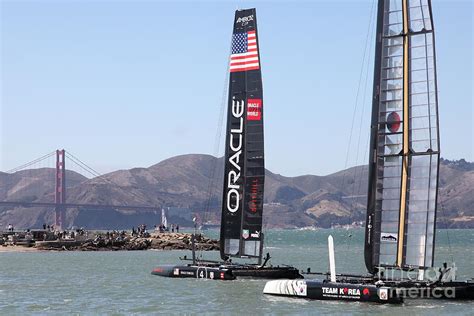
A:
x,y
123,242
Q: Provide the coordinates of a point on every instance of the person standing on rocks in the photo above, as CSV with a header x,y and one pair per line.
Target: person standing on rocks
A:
x,y
177,228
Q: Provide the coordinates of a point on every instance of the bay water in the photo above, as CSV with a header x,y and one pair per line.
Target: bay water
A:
x,y
120,283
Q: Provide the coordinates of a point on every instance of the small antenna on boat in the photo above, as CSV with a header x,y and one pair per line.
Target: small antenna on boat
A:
x,y
332,260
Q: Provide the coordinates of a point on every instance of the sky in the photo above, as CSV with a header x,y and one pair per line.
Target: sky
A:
x,y
123,84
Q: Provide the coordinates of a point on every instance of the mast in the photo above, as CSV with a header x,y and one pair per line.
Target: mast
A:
x,y
370,219
404,157
242,203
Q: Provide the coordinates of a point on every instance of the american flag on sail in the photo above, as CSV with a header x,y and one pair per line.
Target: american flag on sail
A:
x,y
244,52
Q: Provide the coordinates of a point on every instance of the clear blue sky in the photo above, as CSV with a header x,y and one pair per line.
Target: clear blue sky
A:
x,y
126,84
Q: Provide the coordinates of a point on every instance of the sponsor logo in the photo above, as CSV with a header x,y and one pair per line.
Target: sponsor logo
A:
x,y
301,288
235,150
366,292
255,235
176,271
158,270
245,233
253,196
254,109
245,20
383,294
186,272
341,292
222,275
388,237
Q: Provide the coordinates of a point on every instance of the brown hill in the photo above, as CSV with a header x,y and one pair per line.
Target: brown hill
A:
x,y
195,180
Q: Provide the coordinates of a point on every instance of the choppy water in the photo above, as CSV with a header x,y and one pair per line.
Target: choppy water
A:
x,y
120,283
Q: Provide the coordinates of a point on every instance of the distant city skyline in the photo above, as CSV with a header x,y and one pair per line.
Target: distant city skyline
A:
x,y
125,84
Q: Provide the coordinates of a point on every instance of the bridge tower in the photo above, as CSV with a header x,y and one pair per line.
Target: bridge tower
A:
x,y
60,189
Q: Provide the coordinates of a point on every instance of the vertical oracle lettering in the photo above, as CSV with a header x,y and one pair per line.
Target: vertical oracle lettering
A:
x,y
233,188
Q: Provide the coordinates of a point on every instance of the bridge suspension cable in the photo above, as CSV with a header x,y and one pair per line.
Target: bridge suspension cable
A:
x,y
99,176
82,165
31,163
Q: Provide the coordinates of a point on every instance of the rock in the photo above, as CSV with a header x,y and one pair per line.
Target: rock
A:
x,y
115,242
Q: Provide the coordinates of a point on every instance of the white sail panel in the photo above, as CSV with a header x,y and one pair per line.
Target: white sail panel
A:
x,y
390,137
423,137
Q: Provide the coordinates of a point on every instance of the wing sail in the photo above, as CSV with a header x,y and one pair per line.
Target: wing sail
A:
x,y
403,169
244,175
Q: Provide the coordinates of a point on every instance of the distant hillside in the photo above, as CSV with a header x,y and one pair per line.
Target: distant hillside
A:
x,y
189,181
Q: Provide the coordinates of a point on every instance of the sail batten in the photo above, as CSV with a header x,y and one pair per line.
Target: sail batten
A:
x,y
244,175
403,169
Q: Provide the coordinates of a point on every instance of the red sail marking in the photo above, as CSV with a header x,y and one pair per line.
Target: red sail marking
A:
x,y
253,196
254,109
393,122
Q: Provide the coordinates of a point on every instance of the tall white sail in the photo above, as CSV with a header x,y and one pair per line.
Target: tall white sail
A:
x,y
164,221
404,163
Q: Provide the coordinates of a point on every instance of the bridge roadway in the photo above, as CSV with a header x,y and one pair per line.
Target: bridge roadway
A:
x,y
78,205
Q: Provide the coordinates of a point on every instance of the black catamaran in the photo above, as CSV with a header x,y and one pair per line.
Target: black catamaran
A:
x,y
242,202
403,172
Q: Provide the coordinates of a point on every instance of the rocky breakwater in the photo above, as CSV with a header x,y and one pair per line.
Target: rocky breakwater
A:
x,y
172,241
125,241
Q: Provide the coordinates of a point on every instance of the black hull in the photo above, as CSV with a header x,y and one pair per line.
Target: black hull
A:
x,y
225,272
190,271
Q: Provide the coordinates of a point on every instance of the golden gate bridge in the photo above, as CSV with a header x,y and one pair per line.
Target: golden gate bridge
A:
x,y
60,203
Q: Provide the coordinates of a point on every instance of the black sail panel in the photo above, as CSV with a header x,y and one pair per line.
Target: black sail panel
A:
x,y
244,154
255,175
370,229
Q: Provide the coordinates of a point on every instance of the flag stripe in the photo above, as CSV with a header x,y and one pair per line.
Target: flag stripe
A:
x,y
240,58
246,55
245,61
244,66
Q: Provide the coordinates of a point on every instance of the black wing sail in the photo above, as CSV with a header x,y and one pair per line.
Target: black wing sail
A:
x,y
404,157
244,176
